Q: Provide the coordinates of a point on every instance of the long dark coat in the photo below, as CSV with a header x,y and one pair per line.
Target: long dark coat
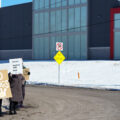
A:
x,y
16,87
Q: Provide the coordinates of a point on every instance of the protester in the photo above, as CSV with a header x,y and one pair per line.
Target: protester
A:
x,y
23,87
0,107
16,89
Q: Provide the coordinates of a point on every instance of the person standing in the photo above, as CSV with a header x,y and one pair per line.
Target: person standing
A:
x,y
23,89
16,89
23,86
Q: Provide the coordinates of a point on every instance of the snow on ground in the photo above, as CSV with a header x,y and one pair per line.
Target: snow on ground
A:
x,y
93,74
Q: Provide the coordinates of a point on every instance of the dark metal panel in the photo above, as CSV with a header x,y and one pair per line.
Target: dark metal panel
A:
x,y
16,27
99,22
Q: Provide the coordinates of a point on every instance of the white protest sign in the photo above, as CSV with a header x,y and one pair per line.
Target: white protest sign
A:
x,y
59,46
16,66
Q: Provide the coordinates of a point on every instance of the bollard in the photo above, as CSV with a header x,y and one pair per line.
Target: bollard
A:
x,y
78,75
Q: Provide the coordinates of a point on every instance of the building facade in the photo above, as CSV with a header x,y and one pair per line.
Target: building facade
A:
x,y
60,21
89,29
86,28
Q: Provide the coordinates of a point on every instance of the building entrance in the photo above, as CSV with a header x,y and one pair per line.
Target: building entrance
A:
x,y
115,33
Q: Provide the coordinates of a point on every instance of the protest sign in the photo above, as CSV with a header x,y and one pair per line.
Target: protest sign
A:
x,y
5,91
16,66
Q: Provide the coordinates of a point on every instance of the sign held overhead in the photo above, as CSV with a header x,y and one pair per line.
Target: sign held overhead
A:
x,y
16,66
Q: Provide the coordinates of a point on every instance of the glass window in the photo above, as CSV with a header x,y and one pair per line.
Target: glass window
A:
x,y
65,45
117,20
46,3
52,3
84,18
77,50
58,38
64,2
58,3
41,4
41,19
52,47
52,21
71,2
58,21
41,48
117,45
77,1
36,48
46,19
71,47
77,19
83,1
71,19
36,4
83,46
35,24
64,19
46,48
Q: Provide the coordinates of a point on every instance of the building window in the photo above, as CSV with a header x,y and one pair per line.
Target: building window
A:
x,y
58,3
64,19
117,21
46,20
41,4
35,24
77,19
36,4
41,21
71,2
83,1
71,19
52,3
52,21
64,2
77,1
84,18
58,20
46,3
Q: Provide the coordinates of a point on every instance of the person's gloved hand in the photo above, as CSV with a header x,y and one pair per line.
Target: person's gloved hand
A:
x,y
28,73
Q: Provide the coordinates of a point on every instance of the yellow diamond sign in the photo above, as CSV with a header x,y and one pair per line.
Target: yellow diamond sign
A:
x,y
59,57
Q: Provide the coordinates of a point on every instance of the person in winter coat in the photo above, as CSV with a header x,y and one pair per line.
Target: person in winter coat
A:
x,y
23,88
0,107
16,89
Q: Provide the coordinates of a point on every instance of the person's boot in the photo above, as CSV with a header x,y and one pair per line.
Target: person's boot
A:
x,y
10,113
1,113
15,112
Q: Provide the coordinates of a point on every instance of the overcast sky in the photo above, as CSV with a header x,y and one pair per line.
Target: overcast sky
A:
x,y
13,2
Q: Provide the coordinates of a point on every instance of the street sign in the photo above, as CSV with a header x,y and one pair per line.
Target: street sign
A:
x,y
59,57
59,46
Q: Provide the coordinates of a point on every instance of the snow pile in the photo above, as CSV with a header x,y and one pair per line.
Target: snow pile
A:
x,y
93,74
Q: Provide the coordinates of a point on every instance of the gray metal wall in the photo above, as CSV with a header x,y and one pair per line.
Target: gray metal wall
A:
x,y
9,54
16,31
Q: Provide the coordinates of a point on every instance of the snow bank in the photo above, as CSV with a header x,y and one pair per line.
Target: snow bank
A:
x,y
93,74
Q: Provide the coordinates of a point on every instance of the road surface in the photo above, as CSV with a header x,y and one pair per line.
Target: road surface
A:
x,y
60,103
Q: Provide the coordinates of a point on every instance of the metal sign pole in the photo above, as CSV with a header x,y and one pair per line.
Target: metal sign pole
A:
x,y
58,73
